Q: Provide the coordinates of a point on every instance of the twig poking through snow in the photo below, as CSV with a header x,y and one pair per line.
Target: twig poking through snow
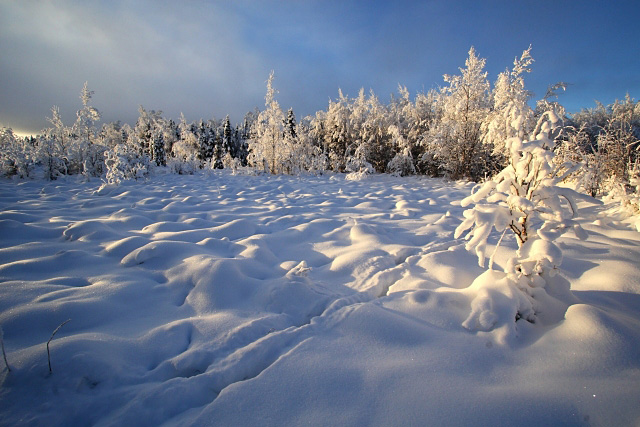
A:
x,y
3,353
54,332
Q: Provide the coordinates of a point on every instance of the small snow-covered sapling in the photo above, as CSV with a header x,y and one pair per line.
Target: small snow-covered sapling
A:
x,y
526,199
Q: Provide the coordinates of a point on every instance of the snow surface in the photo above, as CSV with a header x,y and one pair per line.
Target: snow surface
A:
x,y
241,300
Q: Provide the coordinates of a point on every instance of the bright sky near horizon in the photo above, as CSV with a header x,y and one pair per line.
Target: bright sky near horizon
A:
x,y
212,58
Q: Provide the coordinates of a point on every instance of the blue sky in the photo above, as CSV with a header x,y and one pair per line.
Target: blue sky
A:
x,y
212,58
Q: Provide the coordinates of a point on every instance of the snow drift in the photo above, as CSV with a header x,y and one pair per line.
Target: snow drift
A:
x,y
237,300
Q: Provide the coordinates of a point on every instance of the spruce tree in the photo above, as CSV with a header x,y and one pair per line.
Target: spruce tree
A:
x,y
158,152
290,123
227,138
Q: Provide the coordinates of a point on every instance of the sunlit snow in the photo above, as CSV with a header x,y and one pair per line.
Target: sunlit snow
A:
x,y
219,299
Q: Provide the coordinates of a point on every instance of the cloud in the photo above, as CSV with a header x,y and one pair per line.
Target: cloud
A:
x,y
178,57
211,58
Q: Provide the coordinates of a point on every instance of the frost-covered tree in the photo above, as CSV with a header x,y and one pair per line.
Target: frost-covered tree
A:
x,y
206,141
291,162
423,118
59,131
408,123
49,154
290,124
402,163
83,153
619,141
511,115
400,110
148,136
525,199
140,137
228,144
549,101
456,139
265,148
375,141
171,135
591,122
123,163
309,155
158,154
60,137
606,143
367,141
334,126
584,165
112,134
16,156
87,153
87,116
184,152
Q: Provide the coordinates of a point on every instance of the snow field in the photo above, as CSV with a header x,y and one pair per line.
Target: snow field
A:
x,y
227,300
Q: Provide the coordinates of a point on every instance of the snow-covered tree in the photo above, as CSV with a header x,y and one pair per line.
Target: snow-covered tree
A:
x,y
511,115
83,152
228,145
125,163
141,134
525,199
87,116
265,148
184,153
59,131
411,122
49,154
290,124
619,141
423,118
402,163
606,143
59,143
336,130
112,134
291,162
171,135
549,101
456,139
308,154
158,154
206,141
584,165
374,139
16,156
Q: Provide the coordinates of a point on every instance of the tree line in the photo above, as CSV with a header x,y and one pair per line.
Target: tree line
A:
x,y
459,131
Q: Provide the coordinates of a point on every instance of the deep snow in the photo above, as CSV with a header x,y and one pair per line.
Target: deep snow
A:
x,y
241,300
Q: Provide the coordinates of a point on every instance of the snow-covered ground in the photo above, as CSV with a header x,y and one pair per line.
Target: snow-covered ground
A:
x,y
239,300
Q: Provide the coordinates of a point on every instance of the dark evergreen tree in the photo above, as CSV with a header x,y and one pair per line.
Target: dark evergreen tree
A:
x,y
218,149
157,148
172,135
142,132
240,147
290,124
227,134
206,142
